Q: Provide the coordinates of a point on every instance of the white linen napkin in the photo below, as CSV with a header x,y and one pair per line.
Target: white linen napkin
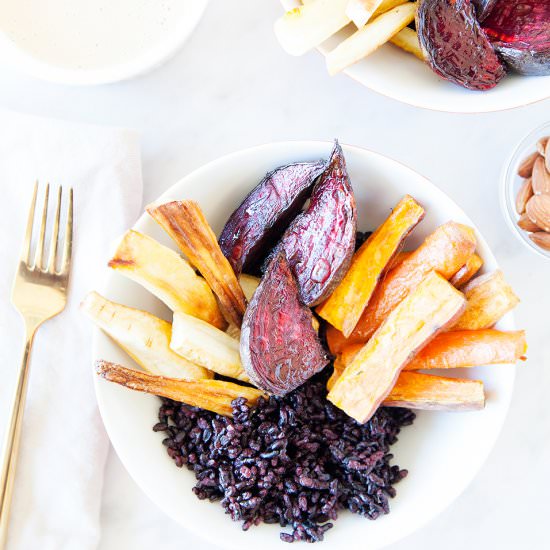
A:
x,y
57,494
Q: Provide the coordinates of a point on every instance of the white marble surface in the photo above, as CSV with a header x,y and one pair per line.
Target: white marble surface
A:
x,y
232,87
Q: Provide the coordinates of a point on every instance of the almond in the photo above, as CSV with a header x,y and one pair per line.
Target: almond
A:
x,y
541,145
538,210
526,224
524,194
541,239
525,168
540,178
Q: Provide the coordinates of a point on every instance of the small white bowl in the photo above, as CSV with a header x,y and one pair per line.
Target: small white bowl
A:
x,y
511,183
88,43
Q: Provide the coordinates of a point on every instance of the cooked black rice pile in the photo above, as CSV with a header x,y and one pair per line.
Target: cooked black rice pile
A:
x,y
296,461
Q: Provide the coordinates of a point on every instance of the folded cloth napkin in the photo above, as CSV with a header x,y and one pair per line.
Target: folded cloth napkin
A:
x,y
57,494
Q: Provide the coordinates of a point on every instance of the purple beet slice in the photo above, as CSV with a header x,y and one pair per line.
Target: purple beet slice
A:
x,y
520,32
483,8
258,223
279,347
456,47
320,242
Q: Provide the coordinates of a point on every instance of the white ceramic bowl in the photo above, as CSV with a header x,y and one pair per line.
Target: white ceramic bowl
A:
x,y
442,451
511,183
87,43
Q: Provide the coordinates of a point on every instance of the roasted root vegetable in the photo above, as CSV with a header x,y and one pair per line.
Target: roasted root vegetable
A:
x,y
249,284
360,11
433,305
305,27
164,273
415,390
186,224
212,395
279,347
489,297
397,259
455,349
319,243
344,306
261,219
369,38
467,271
407,40
445,251
144,337
207,346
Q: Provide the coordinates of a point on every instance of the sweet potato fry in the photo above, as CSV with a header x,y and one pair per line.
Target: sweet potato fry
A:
x,y
164,273
144,337
369,38
212,395
444,251
467,271
345,305
432,306
407,40
396,260
186,224
415,390
489,297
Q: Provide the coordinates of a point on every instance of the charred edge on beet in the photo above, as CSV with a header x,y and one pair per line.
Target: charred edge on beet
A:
x,y
295,461
483,8
319,243
261,219
456,47
279,347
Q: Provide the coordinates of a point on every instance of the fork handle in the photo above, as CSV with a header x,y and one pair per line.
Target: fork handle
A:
x,y
10,449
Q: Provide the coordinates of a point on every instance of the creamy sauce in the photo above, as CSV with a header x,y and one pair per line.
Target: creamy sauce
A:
x,y
89,34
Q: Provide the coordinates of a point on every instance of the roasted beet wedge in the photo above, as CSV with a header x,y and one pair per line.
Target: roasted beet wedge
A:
x,y
483,8
520,33
255,227
456,47
279,347
320,242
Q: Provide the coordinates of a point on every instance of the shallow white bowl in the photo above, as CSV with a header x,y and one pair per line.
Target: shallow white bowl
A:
x,y
87,43
394,73
442,451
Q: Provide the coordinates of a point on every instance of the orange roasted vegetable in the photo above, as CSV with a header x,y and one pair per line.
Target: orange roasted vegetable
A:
x,y
453,350
467,271
396,260
344,306
444,251
186,224
489,297
212,395
433,305
415,390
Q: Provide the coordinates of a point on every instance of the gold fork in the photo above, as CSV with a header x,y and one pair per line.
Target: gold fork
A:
x,y
39,293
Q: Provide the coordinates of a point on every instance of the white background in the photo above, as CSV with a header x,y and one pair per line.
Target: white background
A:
x,y
232,87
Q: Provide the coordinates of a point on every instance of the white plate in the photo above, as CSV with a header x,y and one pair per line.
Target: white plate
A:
x,y
82,42
399,75
442,451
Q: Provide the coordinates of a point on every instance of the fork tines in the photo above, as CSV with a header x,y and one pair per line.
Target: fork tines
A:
x,y
39,261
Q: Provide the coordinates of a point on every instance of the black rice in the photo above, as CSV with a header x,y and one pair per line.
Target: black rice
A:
x,y
296,461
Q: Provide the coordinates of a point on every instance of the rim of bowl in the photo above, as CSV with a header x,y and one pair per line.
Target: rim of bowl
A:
x,y
509,186
21,61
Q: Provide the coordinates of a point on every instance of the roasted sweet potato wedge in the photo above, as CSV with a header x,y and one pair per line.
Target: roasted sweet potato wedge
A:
x,y
261,219
415,390
431,307
212,395
279,347
455,349
186,224
320,242
446,250
467,271
144,337
164,273
489,297
344,306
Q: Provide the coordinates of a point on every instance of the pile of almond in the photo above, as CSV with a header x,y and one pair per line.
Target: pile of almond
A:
x,y
533,198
